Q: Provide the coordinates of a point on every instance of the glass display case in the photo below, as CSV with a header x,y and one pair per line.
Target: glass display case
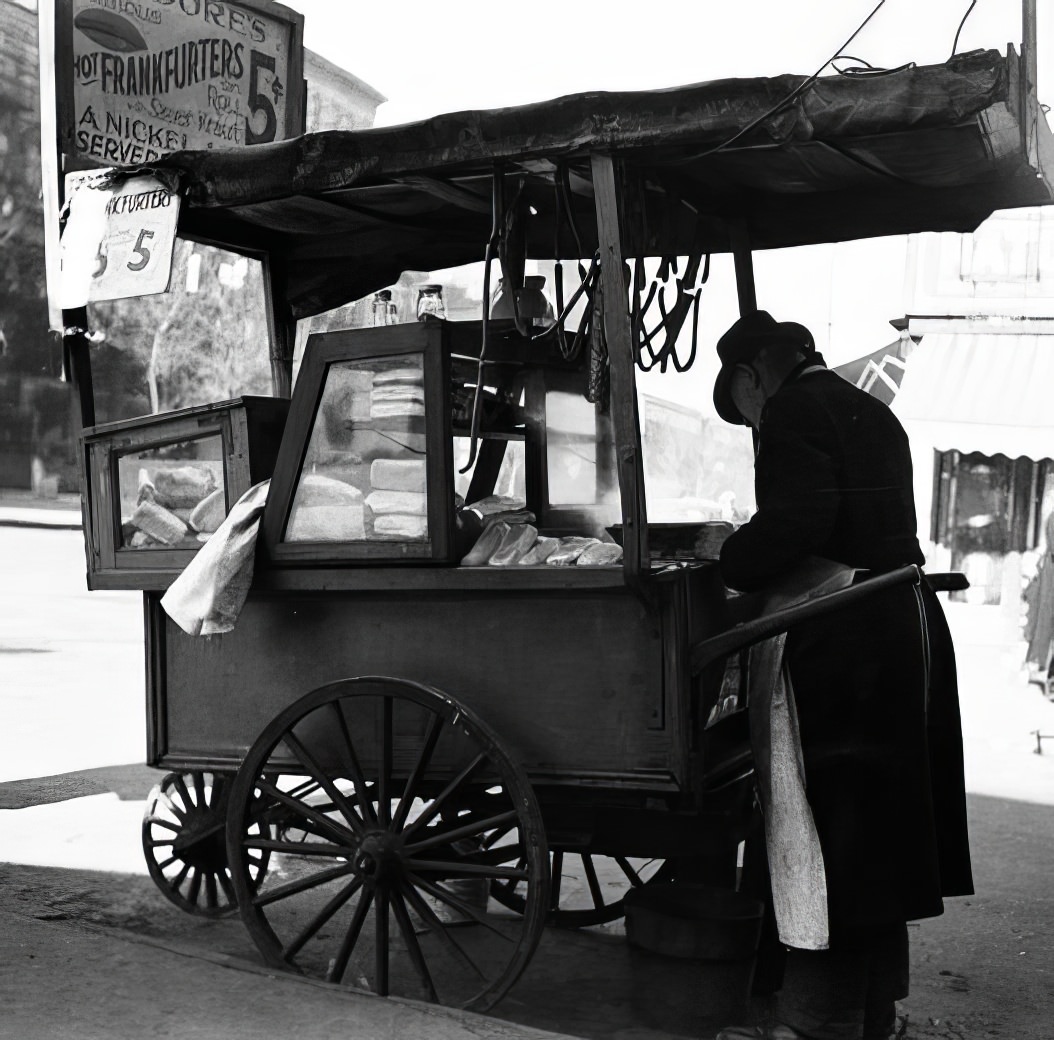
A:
x,y
159,486
365,471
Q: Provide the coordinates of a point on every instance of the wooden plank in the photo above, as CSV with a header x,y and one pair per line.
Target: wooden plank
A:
x,y
389,579
569,683
424,579
618,333
535,449
154,621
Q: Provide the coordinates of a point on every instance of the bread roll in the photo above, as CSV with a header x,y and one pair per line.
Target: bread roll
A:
x,y
486,544
600,554
406,375
411,503
315,490
568,551
209,513
402,526
159,523
184,486
516,544
398,475
325,523
539,552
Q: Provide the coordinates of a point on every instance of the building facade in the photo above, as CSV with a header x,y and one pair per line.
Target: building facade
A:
x,y
37,442
976,398
33,419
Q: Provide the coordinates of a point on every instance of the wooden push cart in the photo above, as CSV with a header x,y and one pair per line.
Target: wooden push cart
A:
x,y
390,761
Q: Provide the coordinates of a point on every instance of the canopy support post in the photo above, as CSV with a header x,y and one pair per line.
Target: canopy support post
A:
x,y
618,332
76,370
76,365
1029,77
744,261
281,327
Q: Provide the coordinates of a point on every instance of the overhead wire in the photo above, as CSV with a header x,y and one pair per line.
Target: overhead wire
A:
x,y
865,70
801,88
955,42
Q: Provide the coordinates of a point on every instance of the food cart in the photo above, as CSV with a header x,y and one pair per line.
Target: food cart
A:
x,y
387,761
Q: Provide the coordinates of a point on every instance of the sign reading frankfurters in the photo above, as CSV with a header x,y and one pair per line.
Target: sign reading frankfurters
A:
x,y
118,239
141,78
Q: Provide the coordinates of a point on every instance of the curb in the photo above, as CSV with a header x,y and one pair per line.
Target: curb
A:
x,y
59,525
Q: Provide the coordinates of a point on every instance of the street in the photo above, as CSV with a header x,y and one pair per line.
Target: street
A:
x,y
72,728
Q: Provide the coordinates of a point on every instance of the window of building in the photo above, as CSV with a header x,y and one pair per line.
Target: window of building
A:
x,y
986,507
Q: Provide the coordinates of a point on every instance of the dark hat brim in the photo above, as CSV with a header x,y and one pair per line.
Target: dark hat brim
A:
x,y
743,351
726,407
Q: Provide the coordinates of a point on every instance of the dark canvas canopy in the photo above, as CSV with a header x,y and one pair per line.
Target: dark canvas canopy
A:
x,y
842,157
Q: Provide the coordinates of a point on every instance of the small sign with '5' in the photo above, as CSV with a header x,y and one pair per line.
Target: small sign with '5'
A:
x,y
118,237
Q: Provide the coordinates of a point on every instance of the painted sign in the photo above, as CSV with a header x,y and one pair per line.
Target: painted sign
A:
x,y
141,78
118,239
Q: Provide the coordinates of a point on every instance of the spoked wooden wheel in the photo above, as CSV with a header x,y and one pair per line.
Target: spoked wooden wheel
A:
x,y
183,841
586,889
392,811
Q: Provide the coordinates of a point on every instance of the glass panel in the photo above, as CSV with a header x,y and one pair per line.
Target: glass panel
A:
x,y
364,476
511,480
571,440
173,496
696,468
204,340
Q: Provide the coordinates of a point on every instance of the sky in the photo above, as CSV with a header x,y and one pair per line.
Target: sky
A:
x,y
428,57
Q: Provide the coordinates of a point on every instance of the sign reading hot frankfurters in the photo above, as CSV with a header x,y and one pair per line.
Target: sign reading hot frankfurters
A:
x,y
140,78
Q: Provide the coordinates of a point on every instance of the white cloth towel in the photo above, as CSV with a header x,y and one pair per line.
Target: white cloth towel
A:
x,y
206,599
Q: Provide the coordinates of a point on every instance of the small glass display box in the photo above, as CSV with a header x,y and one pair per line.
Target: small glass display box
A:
x,y
159,486
364,474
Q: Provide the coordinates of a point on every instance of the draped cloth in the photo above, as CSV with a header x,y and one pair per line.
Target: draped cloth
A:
x,y
209,594
796,866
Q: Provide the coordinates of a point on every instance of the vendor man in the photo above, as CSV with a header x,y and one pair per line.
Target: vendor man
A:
x,y
874,685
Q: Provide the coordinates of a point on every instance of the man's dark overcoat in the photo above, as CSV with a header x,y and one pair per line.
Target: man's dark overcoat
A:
x,y
883,755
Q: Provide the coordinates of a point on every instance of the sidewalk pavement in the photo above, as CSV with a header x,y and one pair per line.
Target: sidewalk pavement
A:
x,y
137,987
981,972
24,509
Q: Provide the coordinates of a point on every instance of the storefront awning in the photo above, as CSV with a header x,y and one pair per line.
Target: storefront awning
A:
x,y
981,392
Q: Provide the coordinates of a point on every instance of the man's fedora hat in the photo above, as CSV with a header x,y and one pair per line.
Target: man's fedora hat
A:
x,y
741,344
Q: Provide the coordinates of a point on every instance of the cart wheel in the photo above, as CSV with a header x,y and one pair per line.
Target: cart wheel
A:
x,y
587,889
183,841
393,811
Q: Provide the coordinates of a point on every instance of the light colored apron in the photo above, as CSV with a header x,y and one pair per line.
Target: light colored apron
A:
x,y
796,869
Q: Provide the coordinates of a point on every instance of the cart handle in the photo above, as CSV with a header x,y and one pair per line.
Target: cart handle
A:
x,y
947,581
750,632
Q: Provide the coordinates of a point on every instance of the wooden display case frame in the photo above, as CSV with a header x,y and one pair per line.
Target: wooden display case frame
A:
x,y
250,429
427,340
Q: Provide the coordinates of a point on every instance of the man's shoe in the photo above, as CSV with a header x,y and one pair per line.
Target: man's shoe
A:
x,y
776,1031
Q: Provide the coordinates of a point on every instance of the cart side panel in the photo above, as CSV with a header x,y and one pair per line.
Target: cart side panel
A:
x,y
572,683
